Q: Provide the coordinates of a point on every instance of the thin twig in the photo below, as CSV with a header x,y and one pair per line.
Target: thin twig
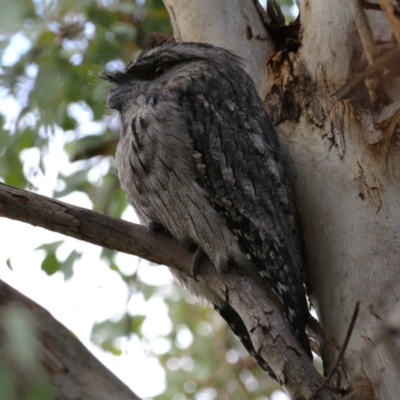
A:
x,y
380,62
342,350
364,30
263,13
392,14
371,6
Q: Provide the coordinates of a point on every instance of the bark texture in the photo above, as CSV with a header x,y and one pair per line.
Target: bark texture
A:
x,y
55,357
343,156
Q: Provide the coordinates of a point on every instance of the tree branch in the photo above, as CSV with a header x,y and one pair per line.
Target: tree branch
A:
x,y
60,358
347,90
364,29
392,12
263,319
341,352
91,226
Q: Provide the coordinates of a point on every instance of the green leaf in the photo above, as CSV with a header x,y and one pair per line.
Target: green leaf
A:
x,y
107,254
46,39
105,333
50,264
124,31
101,16
137,322
8,262
12,172
67,266
111,348
50,247
148,291
76,182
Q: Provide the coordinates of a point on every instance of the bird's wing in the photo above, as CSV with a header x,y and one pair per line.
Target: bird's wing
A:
x,y
243,177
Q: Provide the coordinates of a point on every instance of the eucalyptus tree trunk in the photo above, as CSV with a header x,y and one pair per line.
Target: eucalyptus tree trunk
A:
x,y
341,148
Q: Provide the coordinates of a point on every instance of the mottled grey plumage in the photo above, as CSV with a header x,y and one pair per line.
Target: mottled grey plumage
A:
x,y
199,156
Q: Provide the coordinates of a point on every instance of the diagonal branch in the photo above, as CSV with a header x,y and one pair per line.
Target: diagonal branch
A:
x,y
90,226
392,12
339,358
364,29
261,316
59,359
347,90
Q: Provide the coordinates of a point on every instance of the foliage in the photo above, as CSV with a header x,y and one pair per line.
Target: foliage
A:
x,y
52,54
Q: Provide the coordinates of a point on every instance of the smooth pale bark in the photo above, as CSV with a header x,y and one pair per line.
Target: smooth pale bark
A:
x,y
234,25
344,160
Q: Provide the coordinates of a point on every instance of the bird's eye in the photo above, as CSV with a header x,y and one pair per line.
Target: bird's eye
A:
x,y
160,69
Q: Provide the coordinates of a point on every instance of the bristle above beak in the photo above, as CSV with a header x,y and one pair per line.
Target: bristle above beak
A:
x,y
117,77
